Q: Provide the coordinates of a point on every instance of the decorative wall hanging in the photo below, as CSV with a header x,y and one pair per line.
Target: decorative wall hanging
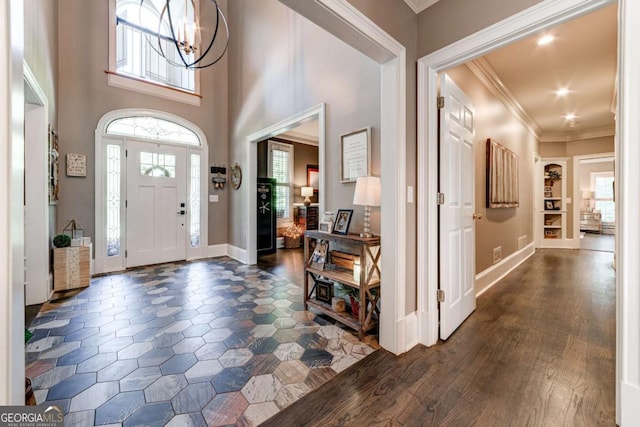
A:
x,y
219,181
502,176
76,165
236,176
355,155
53,167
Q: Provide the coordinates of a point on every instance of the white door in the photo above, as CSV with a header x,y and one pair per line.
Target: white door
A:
x,y
156,203
457,234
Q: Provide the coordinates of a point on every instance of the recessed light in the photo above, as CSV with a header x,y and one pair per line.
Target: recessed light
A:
x,y
545,40
570,117
562,92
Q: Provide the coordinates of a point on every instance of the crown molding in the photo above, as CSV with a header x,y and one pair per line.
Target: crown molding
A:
x,y
301,138
486,74
419,5
579,135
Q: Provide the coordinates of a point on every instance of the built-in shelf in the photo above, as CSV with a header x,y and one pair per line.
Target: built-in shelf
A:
x,y
554,191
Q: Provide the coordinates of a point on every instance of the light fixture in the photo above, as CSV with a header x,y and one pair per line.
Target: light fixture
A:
x,y
306,192
562,91
179,38
546,39
570,117
367,194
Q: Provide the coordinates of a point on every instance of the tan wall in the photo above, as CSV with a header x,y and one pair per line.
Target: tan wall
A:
x,y
86,97
448,21
499,227
281,64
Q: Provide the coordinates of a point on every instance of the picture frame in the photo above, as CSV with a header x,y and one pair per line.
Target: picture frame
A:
x,y
324,291
319,255
313,177
325,226
502,176
549,205
342,221
355,155
53,167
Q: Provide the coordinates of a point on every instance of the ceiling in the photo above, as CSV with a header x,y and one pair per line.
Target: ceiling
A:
x,y
306,133
582,58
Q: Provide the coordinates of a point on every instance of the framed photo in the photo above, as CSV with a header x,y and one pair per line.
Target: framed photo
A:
x,y
319,255
313,177
355,155
343,219
549,205
324,291
325,226
502,176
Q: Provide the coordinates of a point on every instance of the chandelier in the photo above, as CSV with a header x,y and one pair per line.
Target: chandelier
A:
x,y
179,27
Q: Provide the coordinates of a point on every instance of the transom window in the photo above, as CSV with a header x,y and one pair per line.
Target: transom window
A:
x,y
137,50
153,128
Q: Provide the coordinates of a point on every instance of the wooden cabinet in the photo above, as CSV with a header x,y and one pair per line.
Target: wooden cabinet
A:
x,y
306,217
365,283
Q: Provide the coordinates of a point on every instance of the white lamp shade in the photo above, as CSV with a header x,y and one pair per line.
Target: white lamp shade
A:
x,y
588,195
367,191
306,191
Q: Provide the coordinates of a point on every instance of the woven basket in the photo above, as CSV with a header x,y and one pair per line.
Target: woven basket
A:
x,y
291,242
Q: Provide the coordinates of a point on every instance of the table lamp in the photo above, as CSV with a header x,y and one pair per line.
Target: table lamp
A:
x,y
306,192
367,194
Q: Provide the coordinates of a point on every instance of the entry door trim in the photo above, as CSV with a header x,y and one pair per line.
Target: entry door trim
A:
x,y
103,263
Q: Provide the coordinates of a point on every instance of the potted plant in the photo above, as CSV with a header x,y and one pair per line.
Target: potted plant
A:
x,y
292,236
62,241
353,295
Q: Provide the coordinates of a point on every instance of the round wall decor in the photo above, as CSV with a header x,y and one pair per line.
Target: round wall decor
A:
x,y
236,176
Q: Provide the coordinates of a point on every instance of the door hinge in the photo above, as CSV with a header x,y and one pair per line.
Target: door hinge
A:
x,y
440,102
440,198
126,203
440,295
126,153
126,253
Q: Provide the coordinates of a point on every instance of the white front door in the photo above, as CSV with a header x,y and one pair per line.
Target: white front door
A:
x,y
457,234
156,203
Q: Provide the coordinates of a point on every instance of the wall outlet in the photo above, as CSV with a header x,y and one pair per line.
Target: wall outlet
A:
x,y
522,241
497,254
213,197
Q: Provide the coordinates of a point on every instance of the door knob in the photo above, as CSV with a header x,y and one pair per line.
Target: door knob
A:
x,y
182,212
477,216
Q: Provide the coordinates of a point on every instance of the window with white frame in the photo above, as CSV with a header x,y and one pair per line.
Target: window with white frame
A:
x,y
139,39
602,185
280,163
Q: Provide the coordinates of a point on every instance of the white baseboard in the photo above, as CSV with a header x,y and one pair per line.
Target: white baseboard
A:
x,y
410,331
495,273
217,250
237,253
629,408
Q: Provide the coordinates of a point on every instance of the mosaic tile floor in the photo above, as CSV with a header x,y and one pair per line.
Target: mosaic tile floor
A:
x,y
211,342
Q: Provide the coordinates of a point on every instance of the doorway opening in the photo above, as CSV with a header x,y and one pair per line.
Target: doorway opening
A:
x,y
288,172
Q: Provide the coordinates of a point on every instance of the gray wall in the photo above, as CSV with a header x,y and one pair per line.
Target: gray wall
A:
x,y
498,227
448,21
83,55
282,64
41,54
397,19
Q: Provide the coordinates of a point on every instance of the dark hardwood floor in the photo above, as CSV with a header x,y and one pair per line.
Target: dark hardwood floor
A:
x,y
287,263
538,351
